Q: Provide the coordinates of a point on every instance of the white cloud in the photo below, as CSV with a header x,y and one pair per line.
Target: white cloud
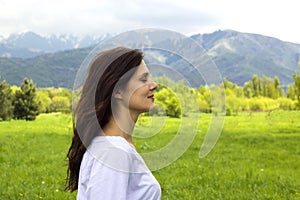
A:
x,y
273,18
98,16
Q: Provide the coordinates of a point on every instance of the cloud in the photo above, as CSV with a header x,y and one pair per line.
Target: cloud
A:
x,y
163,14
93,17
278,19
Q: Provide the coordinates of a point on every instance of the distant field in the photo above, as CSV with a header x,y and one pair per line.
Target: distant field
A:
x,y
256,157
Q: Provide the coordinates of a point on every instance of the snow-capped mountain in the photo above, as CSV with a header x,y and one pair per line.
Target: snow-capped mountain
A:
x,y
30,44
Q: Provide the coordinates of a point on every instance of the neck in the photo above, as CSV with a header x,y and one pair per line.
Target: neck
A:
x,y
121,126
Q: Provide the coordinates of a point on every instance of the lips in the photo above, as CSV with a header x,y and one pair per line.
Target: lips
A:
x,y
151,97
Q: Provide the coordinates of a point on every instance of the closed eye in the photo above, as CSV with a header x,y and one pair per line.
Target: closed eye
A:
x,y
144,77
144,80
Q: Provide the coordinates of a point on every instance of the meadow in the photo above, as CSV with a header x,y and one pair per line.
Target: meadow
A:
x,y
256,157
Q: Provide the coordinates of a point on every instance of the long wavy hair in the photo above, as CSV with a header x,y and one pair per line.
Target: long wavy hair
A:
x,y
94,107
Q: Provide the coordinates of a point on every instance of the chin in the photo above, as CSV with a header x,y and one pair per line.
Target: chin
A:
x,y
148,109
152,107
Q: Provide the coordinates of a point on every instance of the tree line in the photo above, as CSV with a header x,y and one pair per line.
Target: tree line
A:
x,y
27,101
172,99
258,94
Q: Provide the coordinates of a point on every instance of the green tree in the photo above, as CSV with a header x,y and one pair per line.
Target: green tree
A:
x,y
169,101
248,90
6,100
297,86
270,91
53,92
217,96
205,92
202,103
280,92
291,92
226,83
286,103
60,104
43,100
187,98
256,86
268,87
25,104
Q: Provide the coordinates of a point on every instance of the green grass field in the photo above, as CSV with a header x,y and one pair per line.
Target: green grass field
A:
x,y
256,157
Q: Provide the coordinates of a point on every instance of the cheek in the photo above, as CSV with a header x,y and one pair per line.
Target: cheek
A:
x,y
138,96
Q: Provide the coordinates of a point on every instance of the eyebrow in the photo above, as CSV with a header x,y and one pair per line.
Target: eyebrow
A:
x,y
145,74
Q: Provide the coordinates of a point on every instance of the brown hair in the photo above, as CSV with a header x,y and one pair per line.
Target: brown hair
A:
x,y
94,108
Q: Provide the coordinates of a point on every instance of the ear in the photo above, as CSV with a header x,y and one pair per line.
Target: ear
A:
x,y
118,95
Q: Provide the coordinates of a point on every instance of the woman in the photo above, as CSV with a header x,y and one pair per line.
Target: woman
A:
x,y
103,162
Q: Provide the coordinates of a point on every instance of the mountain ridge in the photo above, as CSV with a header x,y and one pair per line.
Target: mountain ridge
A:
x,y
261,55
237,55
30,44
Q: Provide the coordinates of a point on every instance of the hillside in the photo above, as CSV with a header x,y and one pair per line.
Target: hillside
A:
x,y
48,70
240,55
237,55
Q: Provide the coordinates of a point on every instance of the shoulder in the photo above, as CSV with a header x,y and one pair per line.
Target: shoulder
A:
x,y
116,153
112,152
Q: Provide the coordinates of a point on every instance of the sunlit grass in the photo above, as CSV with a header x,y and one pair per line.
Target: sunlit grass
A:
x,y
256,157
33,158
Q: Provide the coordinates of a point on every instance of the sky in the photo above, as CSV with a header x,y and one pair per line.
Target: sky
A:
x,y
275,18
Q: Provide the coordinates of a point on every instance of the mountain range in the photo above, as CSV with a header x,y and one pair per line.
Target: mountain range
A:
x,y
54,64
29,44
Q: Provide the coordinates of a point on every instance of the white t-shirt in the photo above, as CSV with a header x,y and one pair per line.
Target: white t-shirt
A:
x,y
111,169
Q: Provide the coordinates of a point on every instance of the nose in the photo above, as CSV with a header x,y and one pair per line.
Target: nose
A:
x,y
153,86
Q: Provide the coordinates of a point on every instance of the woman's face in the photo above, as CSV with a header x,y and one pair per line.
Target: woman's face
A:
x,y
138,94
